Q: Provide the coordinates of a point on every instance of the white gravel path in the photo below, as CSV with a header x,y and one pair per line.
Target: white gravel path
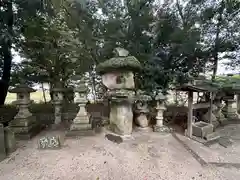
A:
x,y
150,156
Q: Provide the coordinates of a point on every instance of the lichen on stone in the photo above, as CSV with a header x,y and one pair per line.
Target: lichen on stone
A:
x,y
22,88
125,63
142,96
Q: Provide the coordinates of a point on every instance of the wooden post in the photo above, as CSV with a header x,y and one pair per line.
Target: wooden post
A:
x,y
211,107
190,114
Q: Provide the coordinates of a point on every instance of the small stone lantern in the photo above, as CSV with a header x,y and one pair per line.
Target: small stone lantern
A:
x,y
159,127
24,124
57,101
142,110
81,123
218,113
118,77
228,110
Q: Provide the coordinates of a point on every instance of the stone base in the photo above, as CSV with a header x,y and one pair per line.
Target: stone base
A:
x,y
26,133
140,129
233,116
161,129
23,122
79,127
80,133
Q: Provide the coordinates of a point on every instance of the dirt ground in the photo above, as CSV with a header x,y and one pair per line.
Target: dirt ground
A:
x,y
149,156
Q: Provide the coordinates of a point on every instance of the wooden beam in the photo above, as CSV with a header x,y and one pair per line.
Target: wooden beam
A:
x,y
211,107
190,114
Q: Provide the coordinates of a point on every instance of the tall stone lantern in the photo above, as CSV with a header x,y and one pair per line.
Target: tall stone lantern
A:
x,y
81,124
57,102
142,110
24,124
160,107
118,76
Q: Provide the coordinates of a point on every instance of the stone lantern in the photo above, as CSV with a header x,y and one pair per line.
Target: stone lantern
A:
x,y
142,110
57,101
118,77
159,127
24,124
81,123
218,113
228,110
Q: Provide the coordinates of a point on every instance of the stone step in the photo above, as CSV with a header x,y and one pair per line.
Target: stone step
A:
x,y
211,139
212,136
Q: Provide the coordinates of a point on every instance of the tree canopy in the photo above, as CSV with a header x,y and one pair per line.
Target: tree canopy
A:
x,y
58,40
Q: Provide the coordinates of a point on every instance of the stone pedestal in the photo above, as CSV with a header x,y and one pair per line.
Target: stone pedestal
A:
x,y
57,102
228,110
121,117
24,124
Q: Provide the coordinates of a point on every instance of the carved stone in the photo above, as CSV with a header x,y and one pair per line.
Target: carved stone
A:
x,y
52,142
24,124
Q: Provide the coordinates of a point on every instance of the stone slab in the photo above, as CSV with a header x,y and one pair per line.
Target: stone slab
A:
x,y
225,142
10,140
49,142
80,133
2,144
74,127
161,129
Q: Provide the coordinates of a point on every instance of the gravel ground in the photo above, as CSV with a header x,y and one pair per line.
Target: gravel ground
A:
x,y
149,156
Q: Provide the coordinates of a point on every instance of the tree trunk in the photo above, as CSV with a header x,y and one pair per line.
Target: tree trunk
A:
x,y
216,47
7,55
44,93
51,86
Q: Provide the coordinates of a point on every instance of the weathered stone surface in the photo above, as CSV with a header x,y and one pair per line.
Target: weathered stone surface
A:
x,y
25,133
142,120
225,142
118,80
52,142
2,143
10,141
201,129
228,110
121,118
161,129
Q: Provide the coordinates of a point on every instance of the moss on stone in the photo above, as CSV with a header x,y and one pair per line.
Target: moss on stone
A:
x,y
125,63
